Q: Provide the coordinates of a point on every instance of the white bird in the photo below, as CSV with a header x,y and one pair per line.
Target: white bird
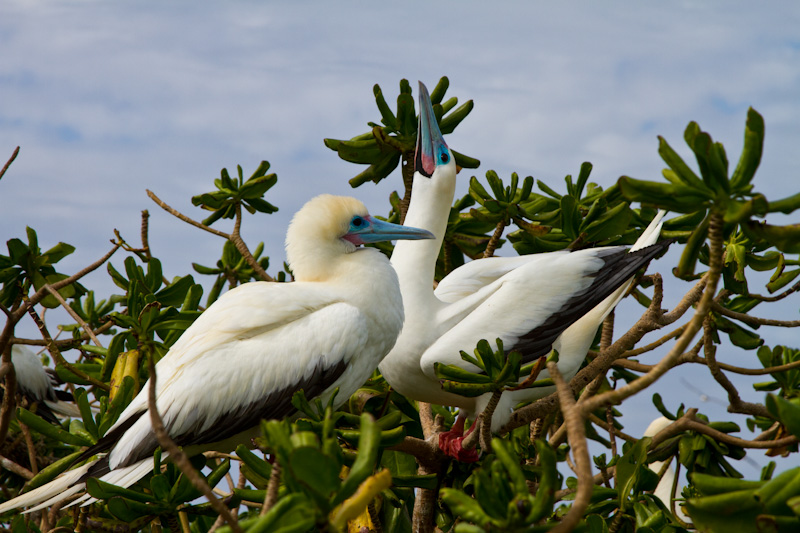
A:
x,y
534,303
664,490
36,385
244,357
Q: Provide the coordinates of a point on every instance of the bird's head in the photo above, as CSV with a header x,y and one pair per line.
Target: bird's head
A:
x,y
433,159
328,227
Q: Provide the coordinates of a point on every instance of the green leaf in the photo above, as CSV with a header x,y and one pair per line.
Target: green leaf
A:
x,y
785,411
784,238
751,153
315,470
49,430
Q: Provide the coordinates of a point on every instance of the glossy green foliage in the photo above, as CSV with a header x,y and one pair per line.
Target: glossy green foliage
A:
x,y
395,137
586,213
236,193
494,371
26,267
232,268
332,458
726,504
497,497
153,307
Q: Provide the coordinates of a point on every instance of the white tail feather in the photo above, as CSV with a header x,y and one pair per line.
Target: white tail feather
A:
x,y
648,237
64,408
122,477
651,232
53,489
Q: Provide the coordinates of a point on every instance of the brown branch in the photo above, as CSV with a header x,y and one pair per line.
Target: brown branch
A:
x,y
610,428
183,217
75,316
426,453
26,434
63,343
597,479
8,163
573,419
177,456
19,470
791,290
694,325
736,403
688,300
7,372
495,239
426,420
56,353
486,421
271,495
237,241
753,321
145,232
234,237
607,336
689,422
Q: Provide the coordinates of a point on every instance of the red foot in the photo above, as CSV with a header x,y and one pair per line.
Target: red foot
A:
x,y
450,442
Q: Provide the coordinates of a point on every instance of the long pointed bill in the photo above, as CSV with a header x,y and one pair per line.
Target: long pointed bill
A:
x,y
429,137
378,231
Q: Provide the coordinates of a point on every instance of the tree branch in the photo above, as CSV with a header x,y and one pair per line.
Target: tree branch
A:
x,y
177,456
573,419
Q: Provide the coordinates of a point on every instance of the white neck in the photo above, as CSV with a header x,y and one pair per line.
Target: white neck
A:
x,y
415,261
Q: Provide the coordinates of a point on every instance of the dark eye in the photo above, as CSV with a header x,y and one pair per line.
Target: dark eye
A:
x,y
444,157
357,222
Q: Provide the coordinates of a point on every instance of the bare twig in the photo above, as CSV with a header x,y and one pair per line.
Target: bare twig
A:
x,y
495,239
573,419
234,237
607,336
272,488
736,403
163,205
75,316
10,160
753,321
179,458
486,421
63,343
694,325
689,421
19,470
56,353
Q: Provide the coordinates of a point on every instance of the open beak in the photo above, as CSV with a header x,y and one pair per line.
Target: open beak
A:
x,y
429,138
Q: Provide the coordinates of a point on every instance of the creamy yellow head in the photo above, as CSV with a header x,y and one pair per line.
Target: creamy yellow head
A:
x,y
314,238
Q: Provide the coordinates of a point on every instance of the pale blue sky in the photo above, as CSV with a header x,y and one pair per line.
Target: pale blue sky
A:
x,y
107,99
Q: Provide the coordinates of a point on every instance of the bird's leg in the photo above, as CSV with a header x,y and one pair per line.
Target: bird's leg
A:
x,y
450,442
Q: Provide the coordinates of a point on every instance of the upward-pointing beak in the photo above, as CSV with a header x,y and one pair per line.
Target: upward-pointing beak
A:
x,y
429,137
378,231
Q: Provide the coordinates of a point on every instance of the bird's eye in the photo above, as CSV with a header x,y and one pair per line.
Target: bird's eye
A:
x,y
357,222
444,157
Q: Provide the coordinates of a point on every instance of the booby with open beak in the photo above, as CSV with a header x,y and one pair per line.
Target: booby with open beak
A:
x,y
534,303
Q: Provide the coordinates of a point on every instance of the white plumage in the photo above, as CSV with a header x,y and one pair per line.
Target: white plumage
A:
x,y
36,385
533,303
246,355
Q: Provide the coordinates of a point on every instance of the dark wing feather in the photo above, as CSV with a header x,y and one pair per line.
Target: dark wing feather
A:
x,y
618,267
277,404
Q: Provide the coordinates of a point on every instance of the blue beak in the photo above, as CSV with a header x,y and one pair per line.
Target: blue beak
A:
x,y
429,137
378,231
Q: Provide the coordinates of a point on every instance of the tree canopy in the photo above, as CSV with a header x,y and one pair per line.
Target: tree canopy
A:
x,y
373,463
